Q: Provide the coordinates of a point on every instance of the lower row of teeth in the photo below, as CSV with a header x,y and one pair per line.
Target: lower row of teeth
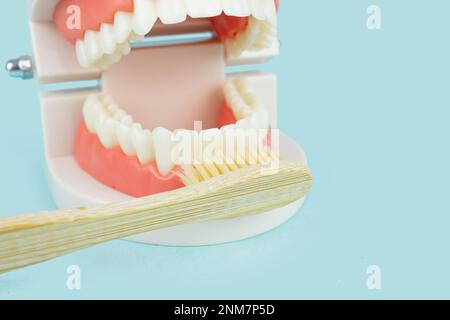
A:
x,y
107,46
115,128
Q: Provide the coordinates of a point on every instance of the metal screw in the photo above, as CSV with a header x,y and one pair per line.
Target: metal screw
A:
x,y
21,67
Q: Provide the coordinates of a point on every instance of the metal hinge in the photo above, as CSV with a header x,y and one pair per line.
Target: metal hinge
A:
x,y
21,67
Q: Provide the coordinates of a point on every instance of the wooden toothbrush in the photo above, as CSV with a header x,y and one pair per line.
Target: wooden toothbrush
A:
x,y
211,192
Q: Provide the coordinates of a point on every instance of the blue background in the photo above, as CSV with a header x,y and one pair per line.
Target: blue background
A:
x,y
371,109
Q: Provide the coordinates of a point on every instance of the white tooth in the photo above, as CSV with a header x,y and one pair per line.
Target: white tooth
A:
x,y
107,38
236,8
135,37
241,85
261,31
227,128
137,126
263,9
251,34
91,110
127,120
241,110
253,101
257,9
124,48
144,16
266,37
163,142
119,115
259,120
102,64
91,99
265,119
243,124
186,142
171,11
106,131
92,45
232,97
228,90
255,120
107,99
81,54
245,112
229,136
110,59
122,26
143,143
245,132
113,108
211,141
242,100
236,45
255,37
260,44
114,57
203,8
123,133
270,10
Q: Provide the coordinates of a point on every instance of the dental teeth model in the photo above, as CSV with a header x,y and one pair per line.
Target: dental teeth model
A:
x,y
164,116
139,161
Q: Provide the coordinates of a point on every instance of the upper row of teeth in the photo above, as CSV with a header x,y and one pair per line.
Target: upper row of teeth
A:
x,y
114,127
259,34
106,46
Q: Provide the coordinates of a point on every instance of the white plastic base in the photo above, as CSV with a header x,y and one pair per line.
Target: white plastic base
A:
x,y
72,187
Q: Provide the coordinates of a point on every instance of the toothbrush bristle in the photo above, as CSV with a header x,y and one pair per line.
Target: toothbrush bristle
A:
x,y
195,173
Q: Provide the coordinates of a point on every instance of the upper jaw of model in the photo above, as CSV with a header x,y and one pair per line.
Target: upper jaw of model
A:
x,y
106,46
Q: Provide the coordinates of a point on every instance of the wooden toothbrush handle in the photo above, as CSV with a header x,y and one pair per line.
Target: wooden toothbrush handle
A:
x,y
34,238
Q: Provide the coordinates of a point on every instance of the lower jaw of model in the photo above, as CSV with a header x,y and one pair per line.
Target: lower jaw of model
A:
x,y
120,153
117,150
